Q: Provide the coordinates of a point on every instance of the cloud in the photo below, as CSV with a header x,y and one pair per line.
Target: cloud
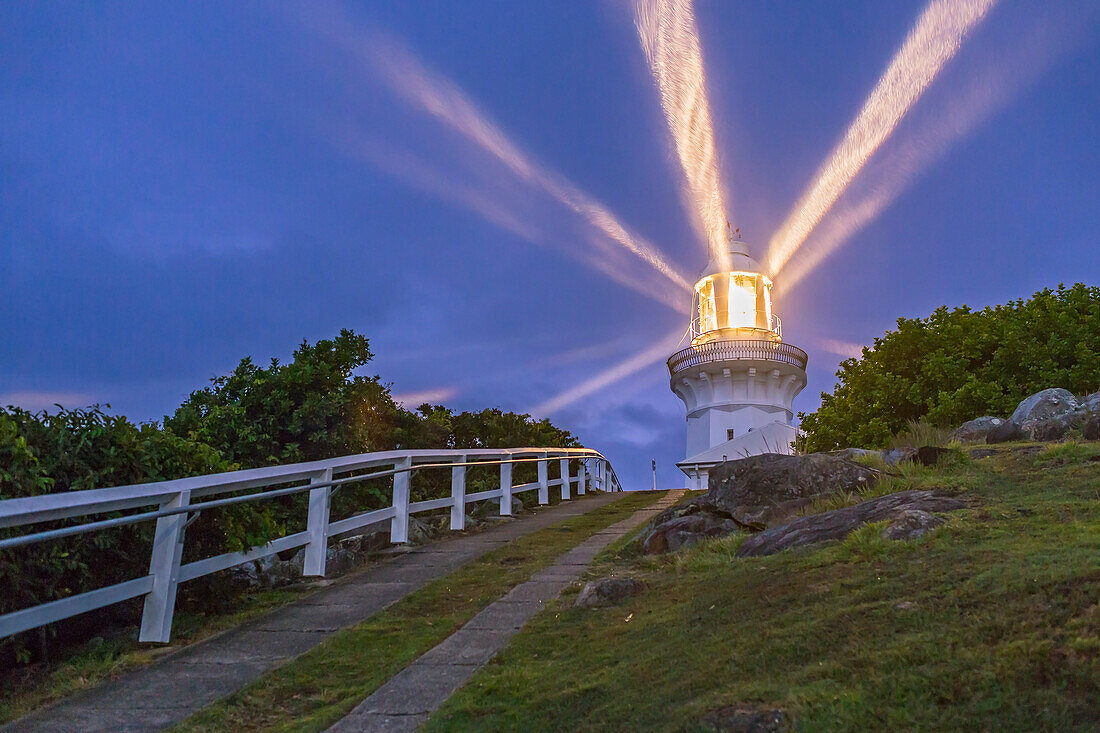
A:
x,y
434,396
35,401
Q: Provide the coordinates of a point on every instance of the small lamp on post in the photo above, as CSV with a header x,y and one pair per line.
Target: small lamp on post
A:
x,y
654,462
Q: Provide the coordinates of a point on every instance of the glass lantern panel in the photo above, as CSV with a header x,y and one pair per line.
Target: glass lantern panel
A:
x,y
742,301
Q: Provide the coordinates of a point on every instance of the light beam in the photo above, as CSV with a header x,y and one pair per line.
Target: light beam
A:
x,y
991,88
932,42
439,97
671,43
657,352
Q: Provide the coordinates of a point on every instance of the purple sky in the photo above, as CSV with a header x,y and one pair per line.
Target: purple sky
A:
x,y
184,184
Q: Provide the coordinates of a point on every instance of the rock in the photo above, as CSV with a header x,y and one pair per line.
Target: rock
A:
x,y
838,523
930,455
736,719
1003,433
911,524
685,530
766,489
419,531
1089,403
894,456
1091,429
1043,406
975,431
607,592
905,605
1054,428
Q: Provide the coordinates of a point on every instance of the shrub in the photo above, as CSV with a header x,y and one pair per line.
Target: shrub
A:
x,y
958,364
70,450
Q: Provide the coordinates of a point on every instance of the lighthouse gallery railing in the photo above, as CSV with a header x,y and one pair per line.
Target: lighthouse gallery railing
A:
x,y
179,501
736,350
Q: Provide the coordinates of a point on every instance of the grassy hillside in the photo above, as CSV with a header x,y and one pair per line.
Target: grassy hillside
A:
x,y
991,622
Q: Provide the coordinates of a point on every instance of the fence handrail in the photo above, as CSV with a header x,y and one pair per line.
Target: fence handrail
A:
x,y
176,509
66,504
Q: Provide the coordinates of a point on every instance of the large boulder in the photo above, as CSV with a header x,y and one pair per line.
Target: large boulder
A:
x,y
976,430
839,523
1046,415
767,489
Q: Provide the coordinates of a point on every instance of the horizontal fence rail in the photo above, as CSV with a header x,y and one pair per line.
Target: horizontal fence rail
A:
x,y
735,350
178,502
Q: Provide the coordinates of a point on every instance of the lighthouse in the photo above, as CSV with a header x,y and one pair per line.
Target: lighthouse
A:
x,y
737,378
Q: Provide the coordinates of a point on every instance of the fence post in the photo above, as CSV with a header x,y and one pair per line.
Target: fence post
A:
x,y
581,476
320,501
544,483
164,566
564,463
399,525
506,489
458,493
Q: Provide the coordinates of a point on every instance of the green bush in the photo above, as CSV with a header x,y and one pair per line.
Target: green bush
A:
x,y
70,450
959,364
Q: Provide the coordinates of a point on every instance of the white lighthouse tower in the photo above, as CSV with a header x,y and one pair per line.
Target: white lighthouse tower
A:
x,y
737,378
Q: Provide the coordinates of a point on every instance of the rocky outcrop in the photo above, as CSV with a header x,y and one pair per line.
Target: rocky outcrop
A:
x,y
763,490
1045,416
752,494
976,430
1003,433
607,592
839,523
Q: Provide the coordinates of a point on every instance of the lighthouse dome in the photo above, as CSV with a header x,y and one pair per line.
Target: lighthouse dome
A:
x,y
739,260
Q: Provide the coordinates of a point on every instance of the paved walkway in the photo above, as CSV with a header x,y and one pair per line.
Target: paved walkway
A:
x,y
410,697
178,685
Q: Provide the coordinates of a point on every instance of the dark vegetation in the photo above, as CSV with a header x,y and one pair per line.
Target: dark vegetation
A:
x,y
315,406
959,364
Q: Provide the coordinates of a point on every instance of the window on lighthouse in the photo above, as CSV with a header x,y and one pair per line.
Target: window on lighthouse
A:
x,y
708,314
742,301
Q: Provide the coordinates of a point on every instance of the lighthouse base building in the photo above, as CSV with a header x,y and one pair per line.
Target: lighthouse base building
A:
x,y
737,378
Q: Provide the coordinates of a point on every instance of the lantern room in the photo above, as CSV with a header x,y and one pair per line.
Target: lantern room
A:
x,y
733,300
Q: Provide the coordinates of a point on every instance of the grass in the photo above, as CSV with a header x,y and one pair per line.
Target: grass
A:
x,y
992,622
318,688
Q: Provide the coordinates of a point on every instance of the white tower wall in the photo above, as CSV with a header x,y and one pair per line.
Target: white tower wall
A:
x,y
737,382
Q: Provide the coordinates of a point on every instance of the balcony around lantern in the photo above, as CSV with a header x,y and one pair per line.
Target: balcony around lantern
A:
x,y
736,349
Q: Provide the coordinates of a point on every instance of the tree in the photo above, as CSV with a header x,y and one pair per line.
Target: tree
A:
x,y
959,364
315,407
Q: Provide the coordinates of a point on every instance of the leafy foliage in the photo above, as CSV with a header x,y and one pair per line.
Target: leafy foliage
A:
x,y
959,364
70,450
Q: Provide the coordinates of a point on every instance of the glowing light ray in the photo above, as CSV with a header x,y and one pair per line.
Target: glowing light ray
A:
x,y
441,98
888,177
419,174
657,352
934,39
671,43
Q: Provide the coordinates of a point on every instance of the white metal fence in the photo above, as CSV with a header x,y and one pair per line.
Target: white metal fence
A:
x,y
179,502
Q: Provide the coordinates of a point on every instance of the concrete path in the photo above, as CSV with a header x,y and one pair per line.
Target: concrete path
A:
x,y
410,696
171,689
